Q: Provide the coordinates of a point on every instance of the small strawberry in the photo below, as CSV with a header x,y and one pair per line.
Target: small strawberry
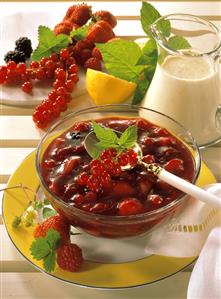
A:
x,y
100,32
65,27
93,63
105,16
69,12
57,223
81,14
69,257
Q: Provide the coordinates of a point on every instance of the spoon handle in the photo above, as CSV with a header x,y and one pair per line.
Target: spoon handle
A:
x,y
189,188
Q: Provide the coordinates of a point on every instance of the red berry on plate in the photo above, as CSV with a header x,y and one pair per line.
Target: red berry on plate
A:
x,y
105,16
69,85
96,53
60,74
3,71
11,65
80,14
69,257
64,54
130,206
73,69
21,68
40,73
57,223
93,63
100,32
34,64
27,87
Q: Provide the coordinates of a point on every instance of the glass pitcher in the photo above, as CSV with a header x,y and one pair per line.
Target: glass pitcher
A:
x,y
186,83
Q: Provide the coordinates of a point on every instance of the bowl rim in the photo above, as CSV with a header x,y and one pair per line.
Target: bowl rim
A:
x,y
117,218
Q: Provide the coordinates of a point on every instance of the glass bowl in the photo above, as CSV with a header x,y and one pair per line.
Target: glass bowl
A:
x,y
109,226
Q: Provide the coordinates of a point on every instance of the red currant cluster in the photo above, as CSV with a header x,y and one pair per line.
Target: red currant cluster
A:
x,y
13,73
110,165
63,69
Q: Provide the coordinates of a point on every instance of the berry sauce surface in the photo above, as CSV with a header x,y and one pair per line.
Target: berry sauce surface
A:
x,y
102,186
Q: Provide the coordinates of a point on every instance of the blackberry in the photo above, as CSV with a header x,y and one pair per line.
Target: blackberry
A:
x,y
23,44
16,56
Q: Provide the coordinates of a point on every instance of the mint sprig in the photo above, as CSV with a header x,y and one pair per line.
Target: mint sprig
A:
x,y
107,138
44,249
49,43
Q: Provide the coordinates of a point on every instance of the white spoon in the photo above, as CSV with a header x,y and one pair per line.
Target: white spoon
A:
x,y
164,175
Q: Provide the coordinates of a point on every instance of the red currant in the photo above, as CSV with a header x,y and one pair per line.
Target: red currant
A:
x,y
82,178
130,206
64,54
21,68
50,65
27,87
73,69
11,65
40,73
60,74
34,65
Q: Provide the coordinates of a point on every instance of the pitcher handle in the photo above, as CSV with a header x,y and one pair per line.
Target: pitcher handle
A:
x,y
218,118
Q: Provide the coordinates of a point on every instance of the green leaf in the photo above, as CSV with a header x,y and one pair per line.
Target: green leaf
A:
x,y
105,134
105,144
178,43
128,137
46,201
39,248
49,262
120,58
149,15
49,43
94,152
53,238
48,212
16,221
140,91
80,33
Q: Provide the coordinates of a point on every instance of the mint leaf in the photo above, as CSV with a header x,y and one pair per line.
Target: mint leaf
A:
x,y
48,212
53,239
128,137
39,248
80,33
105,144
149,53
104,134
94,152
49,43
149,15
178,43
140,91
49,262
120,58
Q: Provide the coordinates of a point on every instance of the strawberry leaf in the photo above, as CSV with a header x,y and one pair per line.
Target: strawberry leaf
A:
x,y
53,239
48,212
49,43
49,262
120,58
128,137
39,248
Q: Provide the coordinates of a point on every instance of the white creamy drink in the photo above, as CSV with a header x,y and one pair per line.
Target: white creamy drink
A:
x,y
188,90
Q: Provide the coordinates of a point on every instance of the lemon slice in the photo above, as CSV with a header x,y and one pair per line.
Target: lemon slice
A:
x,y
106,89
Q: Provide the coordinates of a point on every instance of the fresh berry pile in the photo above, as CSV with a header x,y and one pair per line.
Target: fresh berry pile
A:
x,y
52,244
105,185
109,166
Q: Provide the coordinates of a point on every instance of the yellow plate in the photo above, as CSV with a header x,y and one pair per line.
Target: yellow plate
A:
x,y
95,275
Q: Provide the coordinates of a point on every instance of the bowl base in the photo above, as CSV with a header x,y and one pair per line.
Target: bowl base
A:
x,y
104,250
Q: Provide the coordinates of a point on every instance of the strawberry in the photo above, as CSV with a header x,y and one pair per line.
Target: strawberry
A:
x,y
122,189
93,63
65,27
69,12
100,32
57,223
105,16
81,14
69,257
130,206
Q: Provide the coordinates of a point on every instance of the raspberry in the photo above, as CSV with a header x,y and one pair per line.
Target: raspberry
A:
x,y
80,14
57,223
105,16
96,53
93,63
69,257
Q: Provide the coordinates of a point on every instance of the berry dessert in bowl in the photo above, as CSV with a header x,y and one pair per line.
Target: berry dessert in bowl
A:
x,y
103,190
